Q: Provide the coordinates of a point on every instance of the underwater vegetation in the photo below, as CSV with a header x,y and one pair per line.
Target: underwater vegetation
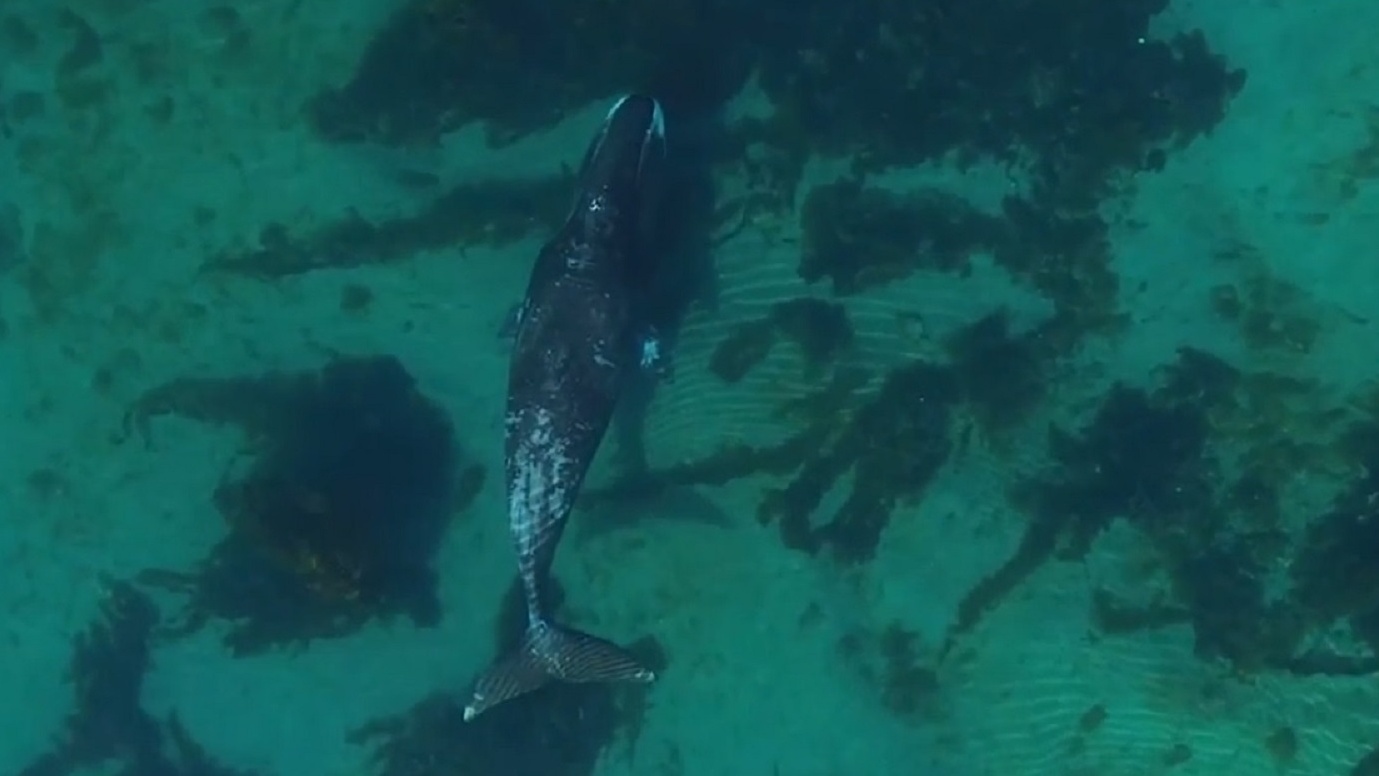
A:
x,y
1335,574
1198,464
1141,456
893,660
1084,90
354,479
893,444
108,723
492,212
1190,465
1084,87
860,237
439,64
891,432
1073,100
818,328
561,730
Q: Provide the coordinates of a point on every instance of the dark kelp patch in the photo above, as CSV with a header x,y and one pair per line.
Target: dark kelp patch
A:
x,y
1196,464
890,434
1007,84
354,482
1001,374
860,237
1334,572
477,213
1141,456
1199,466
109,723
894,662
820,330
893,446
1009,81
437,65
892,443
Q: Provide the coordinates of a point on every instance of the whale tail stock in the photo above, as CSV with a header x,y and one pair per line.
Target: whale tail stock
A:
x,y
550,652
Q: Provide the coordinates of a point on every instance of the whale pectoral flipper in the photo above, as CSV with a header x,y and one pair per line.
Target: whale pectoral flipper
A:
x,y
651,354
549,653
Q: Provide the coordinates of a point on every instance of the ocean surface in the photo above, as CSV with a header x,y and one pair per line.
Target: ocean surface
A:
x,y
1023,415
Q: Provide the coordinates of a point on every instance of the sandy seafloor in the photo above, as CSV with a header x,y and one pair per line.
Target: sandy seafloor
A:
x,y
749,692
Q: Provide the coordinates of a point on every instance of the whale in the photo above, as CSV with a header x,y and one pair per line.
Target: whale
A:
x,y
582,332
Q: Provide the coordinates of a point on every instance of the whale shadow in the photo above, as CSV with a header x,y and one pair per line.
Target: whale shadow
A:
x,y
682,242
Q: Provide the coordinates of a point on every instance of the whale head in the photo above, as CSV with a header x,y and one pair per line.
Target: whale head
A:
x,y
619,167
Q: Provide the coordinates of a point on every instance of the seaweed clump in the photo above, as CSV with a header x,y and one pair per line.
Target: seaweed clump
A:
x,y
109,661
1335,576
859,237
439,64
335,522
1008,81
819,328
494,212
1151,457
1140,456
894,444
892,439
896,663
1000,373
1200,466
560,730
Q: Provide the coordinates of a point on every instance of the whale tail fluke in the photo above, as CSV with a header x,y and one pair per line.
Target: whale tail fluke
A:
x,y
548,653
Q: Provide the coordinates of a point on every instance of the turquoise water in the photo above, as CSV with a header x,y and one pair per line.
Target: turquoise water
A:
x,y
1022,417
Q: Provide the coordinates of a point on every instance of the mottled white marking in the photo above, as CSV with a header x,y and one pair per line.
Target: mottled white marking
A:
x,y
539,460
578,258
658,122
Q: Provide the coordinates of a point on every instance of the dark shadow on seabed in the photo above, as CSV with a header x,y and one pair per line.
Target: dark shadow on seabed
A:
x,y
682,241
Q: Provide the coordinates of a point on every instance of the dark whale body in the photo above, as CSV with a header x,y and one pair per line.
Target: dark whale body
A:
x,y
581,333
